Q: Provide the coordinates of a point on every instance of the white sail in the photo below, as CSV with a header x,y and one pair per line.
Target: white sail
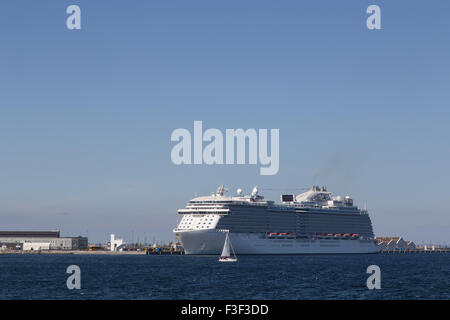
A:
x,y
226,247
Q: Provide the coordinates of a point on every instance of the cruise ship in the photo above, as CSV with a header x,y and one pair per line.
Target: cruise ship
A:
x,y
314,222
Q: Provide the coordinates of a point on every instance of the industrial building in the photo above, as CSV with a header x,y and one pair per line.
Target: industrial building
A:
x,y
40,240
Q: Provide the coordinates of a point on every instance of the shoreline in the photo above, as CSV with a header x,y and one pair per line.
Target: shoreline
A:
x,y
84,252
93,252
115,253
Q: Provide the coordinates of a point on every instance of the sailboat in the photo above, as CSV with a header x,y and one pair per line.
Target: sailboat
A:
x,y
226,252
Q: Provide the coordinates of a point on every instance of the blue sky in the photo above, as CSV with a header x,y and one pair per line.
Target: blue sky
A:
x,y
86,115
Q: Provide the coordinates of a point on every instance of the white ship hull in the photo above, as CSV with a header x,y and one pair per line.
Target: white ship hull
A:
x,y
211,242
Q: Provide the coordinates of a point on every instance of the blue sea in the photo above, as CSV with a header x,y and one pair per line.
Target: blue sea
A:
x,y
403,276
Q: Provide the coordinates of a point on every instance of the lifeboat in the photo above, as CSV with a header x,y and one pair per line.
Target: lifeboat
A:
x,y
291,235
355,236
337,235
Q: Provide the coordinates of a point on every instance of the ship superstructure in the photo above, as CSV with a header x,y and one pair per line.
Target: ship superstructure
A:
x,y
311,222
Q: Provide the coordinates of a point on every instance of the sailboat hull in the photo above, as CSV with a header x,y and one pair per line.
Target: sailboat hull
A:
x,y
228,259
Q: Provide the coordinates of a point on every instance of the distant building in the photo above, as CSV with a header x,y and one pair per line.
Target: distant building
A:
x,y
41,240
28,246
382,245
401,244
386,239
411,245
116,244
394,244
391,245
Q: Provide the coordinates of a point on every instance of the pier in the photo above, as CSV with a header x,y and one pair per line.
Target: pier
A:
x,y
417,250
